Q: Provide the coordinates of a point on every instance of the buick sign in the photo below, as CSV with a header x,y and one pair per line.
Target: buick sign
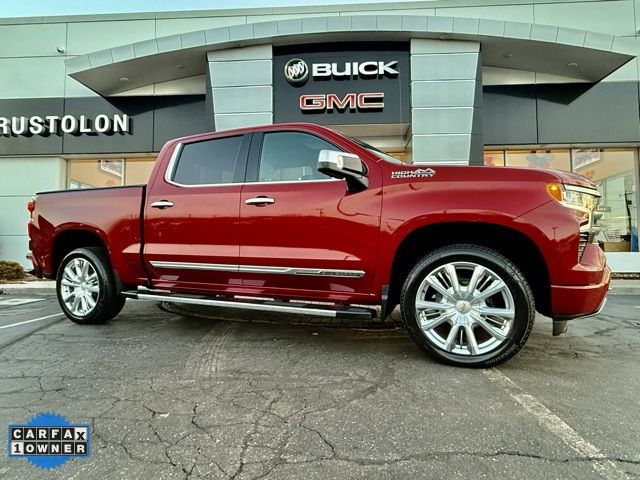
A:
x,y
296,71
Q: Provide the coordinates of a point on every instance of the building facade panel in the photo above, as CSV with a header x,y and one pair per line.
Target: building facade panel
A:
x,y
444,62
85,37
581,113
45,173
614,17
510,115
521,13
173,26
35,40
32,77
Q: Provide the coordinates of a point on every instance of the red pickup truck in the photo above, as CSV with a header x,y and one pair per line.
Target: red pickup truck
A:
x,y
272,217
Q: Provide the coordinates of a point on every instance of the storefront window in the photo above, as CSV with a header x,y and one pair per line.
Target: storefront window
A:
x,y
109,172
555,159
494,158
137,170
614,173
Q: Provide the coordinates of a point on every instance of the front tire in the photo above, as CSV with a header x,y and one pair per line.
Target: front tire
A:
x,y
468,305
86,287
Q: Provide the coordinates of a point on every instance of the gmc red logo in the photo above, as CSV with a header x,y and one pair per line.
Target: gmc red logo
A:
x,y
351,101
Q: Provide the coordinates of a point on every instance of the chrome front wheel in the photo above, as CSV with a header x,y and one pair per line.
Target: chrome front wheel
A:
x,y
468,305
465,308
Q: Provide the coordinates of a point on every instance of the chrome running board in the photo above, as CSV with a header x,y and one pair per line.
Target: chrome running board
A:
x,y
332,311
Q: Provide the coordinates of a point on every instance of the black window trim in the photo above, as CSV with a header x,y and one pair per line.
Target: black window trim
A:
x,y
239,171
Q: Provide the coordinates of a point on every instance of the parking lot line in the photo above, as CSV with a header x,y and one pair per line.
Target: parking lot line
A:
x,y
557,426
15,302
30,321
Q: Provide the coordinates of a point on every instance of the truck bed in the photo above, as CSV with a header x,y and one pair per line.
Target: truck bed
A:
x,y
109,215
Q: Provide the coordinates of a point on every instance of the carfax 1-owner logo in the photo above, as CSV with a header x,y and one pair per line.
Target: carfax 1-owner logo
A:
x,y
48,440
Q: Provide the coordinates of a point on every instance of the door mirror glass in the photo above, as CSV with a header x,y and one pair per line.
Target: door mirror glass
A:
x,y
344,165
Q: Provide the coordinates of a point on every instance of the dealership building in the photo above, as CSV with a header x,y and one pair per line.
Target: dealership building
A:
x,y
88,101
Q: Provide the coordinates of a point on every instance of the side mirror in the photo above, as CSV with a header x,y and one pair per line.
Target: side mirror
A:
x,y
344,165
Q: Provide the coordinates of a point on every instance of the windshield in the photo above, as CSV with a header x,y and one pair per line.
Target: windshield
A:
x,y
375,151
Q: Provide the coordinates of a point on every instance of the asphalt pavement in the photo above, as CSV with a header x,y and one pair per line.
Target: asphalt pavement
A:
x,y
247,396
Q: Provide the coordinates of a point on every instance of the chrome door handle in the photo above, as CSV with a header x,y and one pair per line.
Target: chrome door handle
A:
x,y
162,204
260,201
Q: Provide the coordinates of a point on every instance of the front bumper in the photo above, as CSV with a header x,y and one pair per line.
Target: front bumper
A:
x,y
575,301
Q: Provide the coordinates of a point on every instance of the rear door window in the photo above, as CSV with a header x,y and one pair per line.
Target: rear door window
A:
x,y
209,162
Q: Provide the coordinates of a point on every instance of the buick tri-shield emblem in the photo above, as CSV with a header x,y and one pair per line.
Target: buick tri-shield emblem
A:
x,y
296,71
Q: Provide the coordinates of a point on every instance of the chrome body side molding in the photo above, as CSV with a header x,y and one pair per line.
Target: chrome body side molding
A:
x,y
222,267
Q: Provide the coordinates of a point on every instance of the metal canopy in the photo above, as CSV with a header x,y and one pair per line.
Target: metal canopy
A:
x,y
578,54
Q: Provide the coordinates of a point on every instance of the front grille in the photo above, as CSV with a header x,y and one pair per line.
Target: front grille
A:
x,y
584,239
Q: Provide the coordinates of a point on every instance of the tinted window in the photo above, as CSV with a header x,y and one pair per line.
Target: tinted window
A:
x,y
208,162
291,156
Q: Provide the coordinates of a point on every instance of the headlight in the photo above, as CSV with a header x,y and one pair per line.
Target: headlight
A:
x,y
575,197
582,201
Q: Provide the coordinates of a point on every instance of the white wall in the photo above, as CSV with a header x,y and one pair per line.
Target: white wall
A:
x,y
20,179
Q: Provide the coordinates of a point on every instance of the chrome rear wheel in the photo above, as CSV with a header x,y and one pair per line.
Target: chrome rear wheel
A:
x,y
79,286
86,287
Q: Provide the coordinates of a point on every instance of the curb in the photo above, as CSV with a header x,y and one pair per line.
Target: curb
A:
x,y
624,291
624,287
36,287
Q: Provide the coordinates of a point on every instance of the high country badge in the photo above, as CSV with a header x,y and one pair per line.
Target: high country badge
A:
x,y
420,172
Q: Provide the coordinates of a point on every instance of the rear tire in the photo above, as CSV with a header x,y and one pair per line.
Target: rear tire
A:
x,y
86,287
468,306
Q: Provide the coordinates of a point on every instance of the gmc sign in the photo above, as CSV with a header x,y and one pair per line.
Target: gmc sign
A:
x,y
351,101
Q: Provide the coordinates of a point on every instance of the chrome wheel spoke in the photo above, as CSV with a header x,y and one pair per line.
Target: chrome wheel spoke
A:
x,y
503,313
67,296
76,302
490,329
427,305
453,277
83,304
496,287
452,337
71,276
436,322
90,302
77,268
476,276
434,282
472,344
84,269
